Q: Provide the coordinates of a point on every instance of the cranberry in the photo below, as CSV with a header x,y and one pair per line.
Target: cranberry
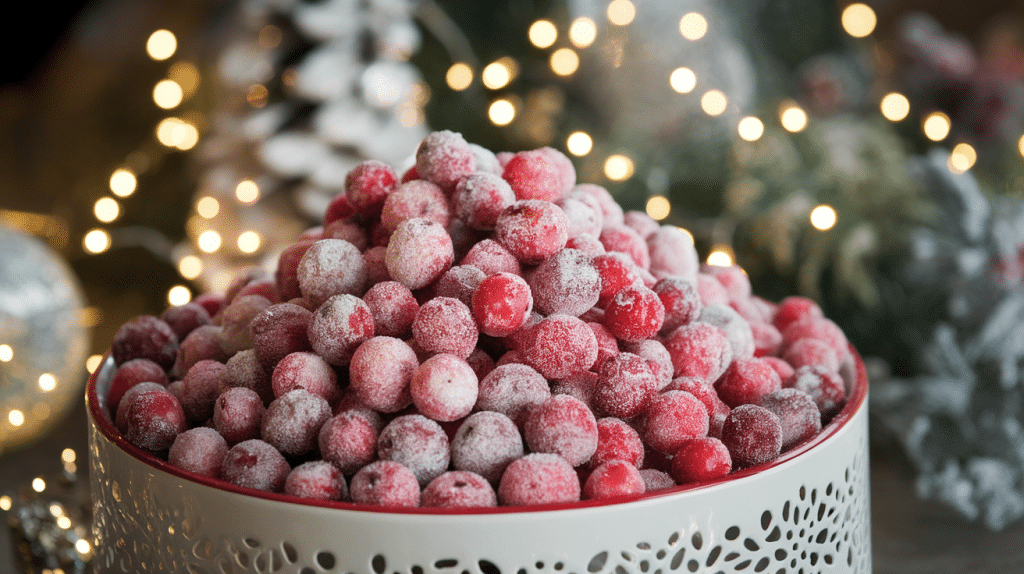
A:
x,y
611,479
255,464
459,489
699,459
485,443
538,478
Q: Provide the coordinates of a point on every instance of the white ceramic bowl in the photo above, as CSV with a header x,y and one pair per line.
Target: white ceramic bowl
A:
x,y
807,511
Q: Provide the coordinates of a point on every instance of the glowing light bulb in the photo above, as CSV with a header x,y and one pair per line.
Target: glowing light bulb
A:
x,y
693,26
496,75
249,242
962,158
579,143
564,61
190,267
96,241
793,118
618,167
47,382
106,209
750,128
6,353
179,295
209,241
16,417
167,94
621,12
683,80
38,484
824,217
658,207
542,33
501,112
123,182
82,546
895,107
161,45
582,32
714,102
859,20
247,191
936,126
720,256
459,76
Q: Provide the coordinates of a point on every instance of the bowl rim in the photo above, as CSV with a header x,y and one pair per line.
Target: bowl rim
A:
x,y
101,421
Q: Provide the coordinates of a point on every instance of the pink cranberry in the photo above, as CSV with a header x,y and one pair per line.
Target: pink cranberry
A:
x,y
617,272
583,219
349,440
501,304
566,170
129,374
617,440
639,221
393,307
611,479
562,425
459,489
445,325
538,478
200,388
415,199
784,369
681,301
376,265
145,337
559,346
672,253
255,464
767,339
586,243
419,252
705,393
534,175
479,199
292,422
318,480
238,414
733,278
444,388
635,313
809,351
151,418
607,344
444,158
735,327
581,385
611,212
491,257
481,363
286,275
797,412
672,418
331,267
280,330
819,328
699,350
510,389
532,230
623,239
753,435
625,385
338,327
711,291
416,442
350,230
699,459
368,185
657,357
746,381
385,483
826,387
200,450
182,319
485,443
459,282
305,370
380,373
235,334
794,308
567,282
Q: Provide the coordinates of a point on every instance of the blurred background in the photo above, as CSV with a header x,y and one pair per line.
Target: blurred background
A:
x,y
868,155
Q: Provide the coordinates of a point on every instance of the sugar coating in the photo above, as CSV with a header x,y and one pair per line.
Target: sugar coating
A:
x,y
331,267
583,218
235,334
385,483
586,243
420,251
808,351
735,327
279,330
819,328
532,230
286,276
417,198
746,381
182,319
562,425
699,350
673,253
485,443
444,388
797,412
784,369
639,221
733,278
560,346
635,313
338,327
705,392
617,272
444,157
767,339
655,479
510,389
292,422
491,257
245,370
150,419
380,373
538,478
394,308
826,387
202,343
479,198
305,370
367,186
580,385
657,357
486,160
681,301
445,325
238,414
200,450
131,373
753,435
459,282
350,230
617,440
623,239
607,344
501,304
794,308
700,458
122,408
611,212
348,440
625,385
673,417
566,170
611,479
459,489
711,291
200,388
567,282
416,442
534,174
145,337
255,464
317,479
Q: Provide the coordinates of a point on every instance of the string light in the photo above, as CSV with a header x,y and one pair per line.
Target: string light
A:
x,y
496,75
582,32
47,382
542,33
824,217
186,75
6,503
6,353
895,107
564,61
621,12
618,167
501,112
106,209
714,102
682,80
687,232
190,267
93,363
96,241
793,118
208,207
693,26
257,96
16,417
249,242
68,455
247,191
720,256
38,484
1020,145
167,94
936,126
161,45
177,133
209,241
859,20
123,182
658,207
179,295
459,76
962,158
579,143
750,128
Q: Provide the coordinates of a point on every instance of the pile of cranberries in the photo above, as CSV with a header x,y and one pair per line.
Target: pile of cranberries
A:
x,y
480,330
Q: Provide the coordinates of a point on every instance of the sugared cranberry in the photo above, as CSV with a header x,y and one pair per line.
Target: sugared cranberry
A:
x,y
511,388
635,313
672,418
393,307
699,350
416,442
611,479
145,337
129,374
338,327
753,435
305,370
419,252
485,443
532,230
567,283
559,346
331,267
184,318
797,412
292,422
200,450
444,157
501,304
151,418
367,186
562,425
701,458
349,440
238,414
538,478
318,479
444,388
625,385
385,483
746,381
533,174
479,199
459,489
617,440
415,199
825,386
280,330
255,464
445,325
380,373
681,301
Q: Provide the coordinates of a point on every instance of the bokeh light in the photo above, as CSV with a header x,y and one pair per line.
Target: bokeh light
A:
x,y
542,33
936,126
621,12
618,167
247,191
209,241
6,353
582,32
161,45
962,158
249,242
714,102
459,76
96,241
683,80
824,217
564,61
579,143
750,128
720,256
179,295
93,363
123,182
47,382
895,107
859,20
16,417
497,75
106,209
208,207
167,94
693,26
190,267
658,207
501,112
793,118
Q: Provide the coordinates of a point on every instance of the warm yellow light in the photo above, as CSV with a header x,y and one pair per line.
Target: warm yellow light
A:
x,y
161,45
167,94
123,182
720,256
687,232
582,32
621,12
68,455
459,76
249,242
6,503
177,133
247,191
270,36
564,61
47,382
936,126
82,546
658,207
618,167
693,26
16,417
93,363
714,102
496,75
106,209
824,217
190,267
186,75
96,241
793,118
1020,145
209,241
542,33
750,128
895,106
962,158
208,207
179,295
63,522
6,353
683,80
579,143
859,20
501,112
